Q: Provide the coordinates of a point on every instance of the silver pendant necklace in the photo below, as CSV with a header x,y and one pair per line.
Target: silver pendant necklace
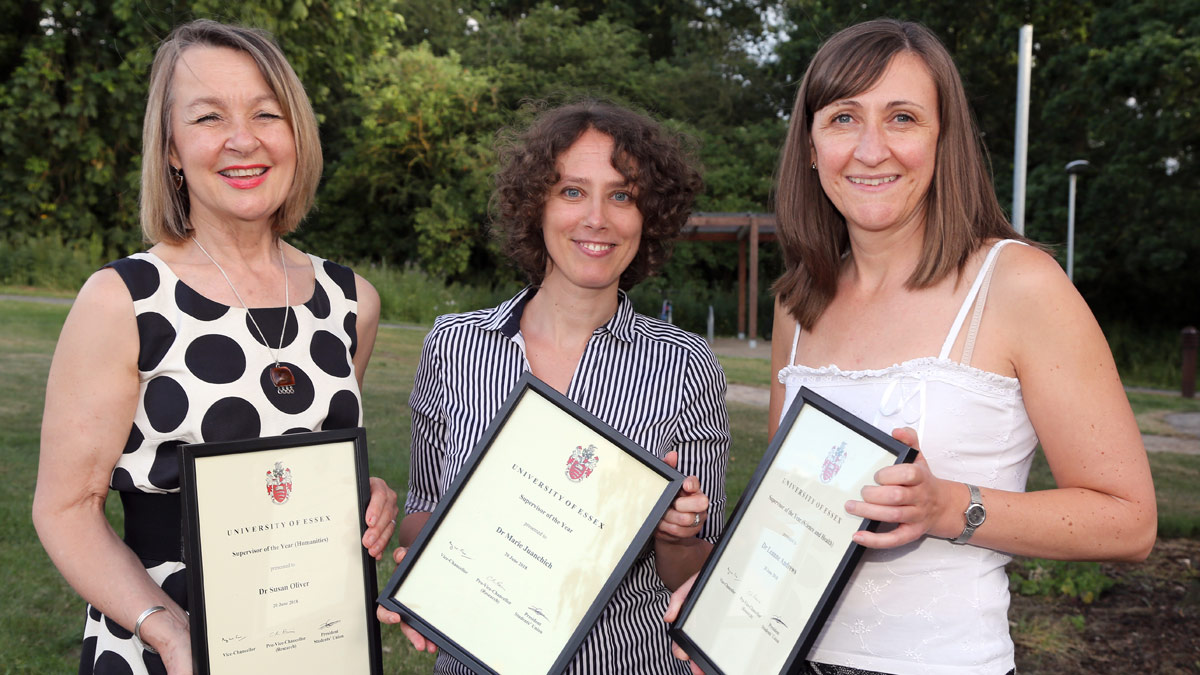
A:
x,y
281,376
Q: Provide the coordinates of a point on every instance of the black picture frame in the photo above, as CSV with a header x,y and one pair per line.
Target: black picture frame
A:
x,y
339,458
462,641
719,579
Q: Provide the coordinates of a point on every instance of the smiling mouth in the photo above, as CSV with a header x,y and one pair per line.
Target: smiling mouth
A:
x,y
243,173
594,246
873,181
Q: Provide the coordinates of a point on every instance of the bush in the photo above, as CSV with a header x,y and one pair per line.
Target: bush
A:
x,y
408,294
1053,578
1146,356
45,261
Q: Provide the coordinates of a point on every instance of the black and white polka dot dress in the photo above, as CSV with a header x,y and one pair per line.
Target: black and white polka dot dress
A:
x,y
204,377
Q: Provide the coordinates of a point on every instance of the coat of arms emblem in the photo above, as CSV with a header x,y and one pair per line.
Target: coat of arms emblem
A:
x,y
581,463
833,462
279,483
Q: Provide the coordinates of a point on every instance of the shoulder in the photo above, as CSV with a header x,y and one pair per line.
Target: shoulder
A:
x,y
368,298
1025,273
342,276
660,331
685,344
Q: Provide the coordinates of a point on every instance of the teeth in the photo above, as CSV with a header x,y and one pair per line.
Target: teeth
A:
x,y
243,173
592,246
872,181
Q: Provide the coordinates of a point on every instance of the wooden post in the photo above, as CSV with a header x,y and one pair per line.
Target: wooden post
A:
x,y
741,289
753,299
1189,341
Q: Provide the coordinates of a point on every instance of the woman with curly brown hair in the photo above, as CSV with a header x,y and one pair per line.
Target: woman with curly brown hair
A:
x,y
588,200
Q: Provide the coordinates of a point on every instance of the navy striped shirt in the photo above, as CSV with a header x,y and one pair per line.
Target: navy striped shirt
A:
x,y
658,385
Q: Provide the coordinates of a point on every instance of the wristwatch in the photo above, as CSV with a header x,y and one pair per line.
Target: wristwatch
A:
x,y
975,515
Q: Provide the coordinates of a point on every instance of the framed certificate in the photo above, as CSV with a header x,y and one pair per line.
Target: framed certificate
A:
x,y
526,547
278,579
764,593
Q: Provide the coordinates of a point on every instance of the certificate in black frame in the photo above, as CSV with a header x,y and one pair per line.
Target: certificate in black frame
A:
x,y
279,489
793,661
448,638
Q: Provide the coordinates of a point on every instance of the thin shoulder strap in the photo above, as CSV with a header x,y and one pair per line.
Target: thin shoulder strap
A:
x,y
795,341
983,277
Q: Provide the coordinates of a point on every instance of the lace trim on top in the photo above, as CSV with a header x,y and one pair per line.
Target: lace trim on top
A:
x,y
982,380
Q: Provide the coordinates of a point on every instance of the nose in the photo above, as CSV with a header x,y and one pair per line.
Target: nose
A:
x,y
242,138
872,148
595,216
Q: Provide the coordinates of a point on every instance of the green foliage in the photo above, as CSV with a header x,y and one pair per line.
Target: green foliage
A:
x,y
1053,578
48,261
410,94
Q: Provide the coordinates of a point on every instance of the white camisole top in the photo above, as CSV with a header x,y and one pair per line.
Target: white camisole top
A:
x,y
931,606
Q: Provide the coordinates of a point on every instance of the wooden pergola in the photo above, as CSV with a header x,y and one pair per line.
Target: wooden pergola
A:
x,y
747,229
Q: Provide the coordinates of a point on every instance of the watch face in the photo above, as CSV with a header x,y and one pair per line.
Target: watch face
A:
x,y
976,515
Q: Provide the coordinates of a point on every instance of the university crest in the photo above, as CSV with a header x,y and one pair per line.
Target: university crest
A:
x,y
581,463
279,483
833,462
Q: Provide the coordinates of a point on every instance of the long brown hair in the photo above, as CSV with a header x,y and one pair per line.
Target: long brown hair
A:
x,y
961,208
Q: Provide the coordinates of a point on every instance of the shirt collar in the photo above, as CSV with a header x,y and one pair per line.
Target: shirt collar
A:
x,y
506,317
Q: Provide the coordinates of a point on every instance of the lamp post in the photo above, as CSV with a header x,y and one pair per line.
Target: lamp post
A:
x,y
1073,170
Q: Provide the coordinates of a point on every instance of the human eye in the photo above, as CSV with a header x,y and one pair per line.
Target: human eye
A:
x,y
268,115
904,118
572,192
622,196
843,118
206,118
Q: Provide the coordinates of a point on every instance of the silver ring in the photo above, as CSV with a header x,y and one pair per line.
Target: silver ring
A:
x,y
696,521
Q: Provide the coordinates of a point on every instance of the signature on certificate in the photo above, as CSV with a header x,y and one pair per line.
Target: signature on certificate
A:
x,y
496,582
330,624
280,633
461,551
778,620
233,638
538,611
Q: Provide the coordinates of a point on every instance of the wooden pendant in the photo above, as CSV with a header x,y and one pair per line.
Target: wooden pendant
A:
x,y
284,381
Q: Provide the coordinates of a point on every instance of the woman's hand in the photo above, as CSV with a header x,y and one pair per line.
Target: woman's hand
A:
x,y
381,518
677,598
688,512
910,496
167,632
389,617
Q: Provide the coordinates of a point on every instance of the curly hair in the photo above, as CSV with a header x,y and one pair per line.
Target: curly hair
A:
x,y
652,159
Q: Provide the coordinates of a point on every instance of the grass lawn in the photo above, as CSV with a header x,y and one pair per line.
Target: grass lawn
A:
x,y
41,618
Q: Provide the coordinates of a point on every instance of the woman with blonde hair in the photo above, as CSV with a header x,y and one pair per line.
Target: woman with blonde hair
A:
x,y
220,331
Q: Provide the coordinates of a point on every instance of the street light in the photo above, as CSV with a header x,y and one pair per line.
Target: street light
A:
x,y
1073,170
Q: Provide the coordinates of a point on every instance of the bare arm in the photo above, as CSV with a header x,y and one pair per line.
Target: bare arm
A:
x,y
381,510
783,328
367,326
91,396
1103,507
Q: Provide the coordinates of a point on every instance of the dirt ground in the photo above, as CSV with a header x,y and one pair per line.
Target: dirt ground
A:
x,y
1149,622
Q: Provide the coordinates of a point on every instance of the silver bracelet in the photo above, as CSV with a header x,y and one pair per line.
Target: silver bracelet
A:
x,y
137,627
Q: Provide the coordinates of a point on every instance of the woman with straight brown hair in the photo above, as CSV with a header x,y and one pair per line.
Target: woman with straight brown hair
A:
x,y
909,300
196,340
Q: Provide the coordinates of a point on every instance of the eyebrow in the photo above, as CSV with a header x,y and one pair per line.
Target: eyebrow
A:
x,y
900,103
219,103
578,179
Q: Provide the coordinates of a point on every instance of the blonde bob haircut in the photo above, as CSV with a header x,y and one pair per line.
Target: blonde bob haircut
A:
x,y
165,210
961,210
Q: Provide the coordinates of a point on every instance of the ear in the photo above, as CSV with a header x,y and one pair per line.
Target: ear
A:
x,y
173,156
